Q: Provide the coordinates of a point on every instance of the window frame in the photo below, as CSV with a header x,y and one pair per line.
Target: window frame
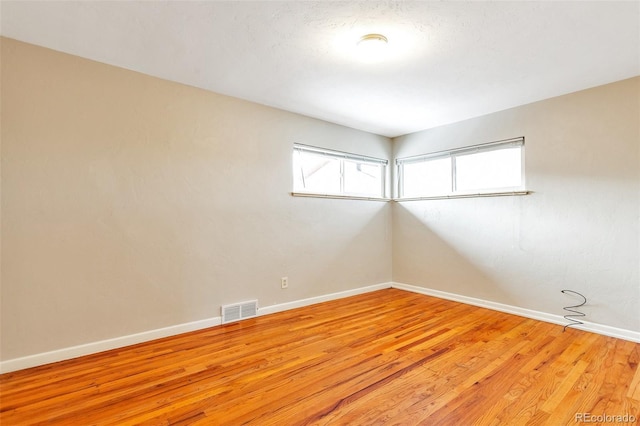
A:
x,y
453,154
342,157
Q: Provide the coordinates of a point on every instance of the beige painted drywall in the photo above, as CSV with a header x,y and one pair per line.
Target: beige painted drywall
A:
x,y
130,203
578,230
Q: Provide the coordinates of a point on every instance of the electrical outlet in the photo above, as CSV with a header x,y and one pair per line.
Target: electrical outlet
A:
x,y
284,282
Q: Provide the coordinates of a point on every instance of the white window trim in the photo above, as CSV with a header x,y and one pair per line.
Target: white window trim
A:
x,y
453,153
338,197
349,157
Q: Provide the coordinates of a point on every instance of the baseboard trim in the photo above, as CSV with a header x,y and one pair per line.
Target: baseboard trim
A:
x,y
606,330
319,299
120,342
104,345
132,339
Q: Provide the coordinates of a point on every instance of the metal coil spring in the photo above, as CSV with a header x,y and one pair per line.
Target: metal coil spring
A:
x,y
574,313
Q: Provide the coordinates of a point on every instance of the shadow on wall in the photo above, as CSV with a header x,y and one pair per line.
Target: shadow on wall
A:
x,y
522,251
335,245
424,258
366,253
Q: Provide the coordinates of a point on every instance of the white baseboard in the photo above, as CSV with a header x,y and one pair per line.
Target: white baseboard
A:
x,y
104,345
119,342
132,339
319,299
606,330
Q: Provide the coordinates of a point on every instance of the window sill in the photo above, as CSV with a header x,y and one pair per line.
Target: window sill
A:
x,y
477,195
339,197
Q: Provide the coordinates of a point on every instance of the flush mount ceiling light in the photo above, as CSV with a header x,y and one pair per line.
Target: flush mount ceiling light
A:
x,y
372,40
371,47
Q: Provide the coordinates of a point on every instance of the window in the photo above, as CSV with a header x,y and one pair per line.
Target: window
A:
x,y
324,172
495,168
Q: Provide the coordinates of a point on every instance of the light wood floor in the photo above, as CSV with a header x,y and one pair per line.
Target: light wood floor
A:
x,y
387,357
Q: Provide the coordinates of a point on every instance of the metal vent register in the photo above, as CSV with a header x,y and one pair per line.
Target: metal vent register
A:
x,y
239,311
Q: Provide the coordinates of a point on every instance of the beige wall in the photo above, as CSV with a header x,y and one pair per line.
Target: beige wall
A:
x,y
578,231
130,203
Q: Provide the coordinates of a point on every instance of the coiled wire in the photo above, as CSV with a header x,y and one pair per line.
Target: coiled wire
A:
x,y
573,312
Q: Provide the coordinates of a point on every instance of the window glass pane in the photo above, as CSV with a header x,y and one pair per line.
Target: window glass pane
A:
x,y
492,169
327,172
362,178
316,173
431,177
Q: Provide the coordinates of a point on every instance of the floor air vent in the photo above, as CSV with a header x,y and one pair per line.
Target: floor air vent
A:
x,y
239,311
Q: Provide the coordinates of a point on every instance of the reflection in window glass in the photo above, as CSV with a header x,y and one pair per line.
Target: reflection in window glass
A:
x,y
427,177
362,179
316,173
493,169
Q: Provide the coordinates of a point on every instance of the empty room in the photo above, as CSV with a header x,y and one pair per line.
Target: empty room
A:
x,y
320,213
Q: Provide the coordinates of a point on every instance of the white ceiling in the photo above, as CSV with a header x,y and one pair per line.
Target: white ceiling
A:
x,y
445,61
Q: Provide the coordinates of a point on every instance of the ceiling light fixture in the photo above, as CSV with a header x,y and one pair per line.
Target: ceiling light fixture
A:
x,y
371,47
373,39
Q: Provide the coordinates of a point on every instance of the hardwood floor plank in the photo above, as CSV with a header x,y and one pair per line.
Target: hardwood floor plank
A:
x,y
386,357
